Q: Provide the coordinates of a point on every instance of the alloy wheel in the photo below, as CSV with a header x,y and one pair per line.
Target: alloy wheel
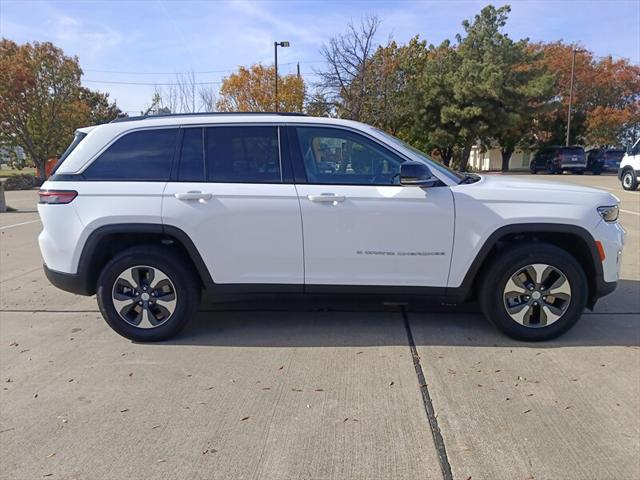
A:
x,y
537,295
144,296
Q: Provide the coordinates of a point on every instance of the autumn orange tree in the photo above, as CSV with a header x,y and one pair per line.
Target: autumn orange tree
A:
x,y
42,101
253,90
606,100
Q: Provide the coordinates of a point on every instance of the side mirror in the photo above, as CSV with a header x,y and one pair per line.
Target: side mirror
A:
x,y
416,174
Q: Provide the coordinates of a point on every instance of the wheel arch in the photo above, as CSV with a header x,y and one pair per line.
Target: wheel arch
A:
x,y
106,241
576,240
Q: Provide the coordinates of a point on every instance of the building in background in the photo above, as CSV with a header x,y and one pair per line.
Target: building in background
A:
x,y
491,159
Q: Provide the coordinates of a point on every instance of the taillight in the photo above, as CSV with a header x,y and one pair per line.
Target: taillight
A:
x,y
57,197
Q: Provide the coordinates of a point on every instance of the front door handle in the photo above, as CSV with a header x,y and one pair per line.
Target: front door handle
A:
x,y
326,198
193,195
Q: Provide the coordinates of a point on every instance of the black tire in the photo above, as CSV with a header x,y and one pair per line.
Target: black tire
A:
x,y
532,168
629,180
578,172
182,279
597,171
509,262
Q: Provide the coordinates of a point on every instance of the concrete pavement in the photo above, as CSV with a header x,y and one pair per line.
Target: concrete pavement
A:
x,y
272,390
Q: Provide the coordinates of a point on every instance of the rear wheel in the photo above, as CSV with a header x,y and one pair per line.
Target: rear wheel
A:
x,y
629,181
534,291
147,293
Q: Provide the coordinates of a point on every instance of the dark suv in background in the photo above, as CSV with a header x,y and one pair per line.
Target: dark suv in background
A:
x,y
604,159
557,159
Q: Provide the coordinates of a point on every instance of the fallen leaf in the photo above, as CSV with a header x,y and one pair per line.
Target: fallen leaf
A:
x,y
480,385
155,426
162,460
51,455
296,390
24,351
47,474
497,371
9,380
14,344
124,410
529,394
210,388
131,374
266,388
567,407
244,418
507,399
522,379
318,390
345,419
390,384
451,371
281,367
527,411
358,353
574,379
35,395
70,380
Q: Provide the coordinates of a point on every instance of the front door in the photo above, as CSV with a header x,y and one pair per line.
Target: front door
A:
x,y
361,227
230,196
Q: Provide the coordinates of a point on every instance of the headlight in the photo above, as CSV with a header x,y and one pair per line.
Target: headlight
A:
x,y
609,214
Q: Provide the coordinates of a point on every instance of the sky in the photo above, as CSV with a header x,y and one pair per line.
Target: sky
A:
x,y
121,44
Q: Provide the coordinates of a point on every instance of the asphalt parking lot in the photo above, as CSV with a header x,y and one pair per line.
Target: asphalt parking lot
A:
x,y
275,390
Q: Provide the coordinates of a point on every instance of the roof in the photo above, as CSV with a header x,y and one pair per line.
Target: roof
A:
x,y
203,114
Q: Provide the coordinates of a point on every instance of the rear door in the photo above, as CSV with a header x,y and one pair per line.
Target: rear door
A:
x,y
233,195
361,227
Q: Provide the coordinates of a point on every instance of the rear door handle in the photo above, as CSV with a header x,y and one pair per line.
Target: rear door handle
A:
x,y
193,195
326,198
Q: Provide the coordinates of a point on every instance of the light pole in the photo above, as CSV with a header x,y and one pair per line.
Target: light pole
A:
x,y
573,69
275,51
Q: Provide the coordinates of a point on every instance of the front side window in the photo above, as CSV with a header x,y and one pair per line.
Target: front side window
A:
x,y
334,156
145,155
243,155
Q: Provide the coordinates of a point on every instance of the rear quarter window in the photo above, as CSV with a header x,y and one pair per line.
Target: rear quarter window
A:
x,y
145,155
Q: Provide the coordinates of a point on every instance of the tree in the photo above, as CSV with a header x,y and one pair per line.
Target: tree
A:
x,y
606,97
391,76
432,93
252,90
42,101
345,81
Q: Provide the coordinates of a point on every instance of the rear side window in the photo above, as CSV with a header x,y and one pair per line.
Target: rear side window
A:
x,y
145,155
79,136
243,155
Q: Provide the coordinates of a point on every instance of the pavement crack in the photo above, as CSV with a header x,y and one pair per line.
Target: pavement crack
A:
x,y
445,467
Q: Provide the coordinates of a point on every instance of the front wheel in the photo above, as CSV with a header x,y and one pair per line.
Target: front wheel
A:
x,y
534,291
629,181
147,293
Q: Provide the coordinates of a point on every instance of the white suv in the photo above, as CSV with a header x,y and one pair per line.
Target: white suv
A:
x,y
629,171
148,213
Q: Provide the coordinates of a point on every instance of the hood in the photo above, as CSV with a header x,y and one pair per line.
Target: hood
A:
x,y
513,189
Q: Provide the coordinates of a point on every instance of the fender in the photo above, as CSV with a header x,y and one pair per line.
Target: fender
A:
x,y
597,286
87,272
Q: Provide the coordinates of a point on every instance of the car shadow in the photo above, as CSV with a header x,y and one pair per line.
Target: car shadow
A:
x,y
282,322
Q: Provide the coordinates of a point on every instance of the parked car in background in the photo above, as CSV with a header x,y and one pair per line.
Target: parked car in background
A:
x,y
558,159
604,160
629,172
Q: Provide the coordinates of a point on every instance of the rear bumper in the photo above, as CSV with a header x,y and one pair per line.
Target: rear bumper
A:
x,y
69,282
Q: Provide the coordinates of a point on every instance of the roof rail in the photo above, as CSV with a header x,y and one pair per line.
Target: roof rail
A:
x,y
206,114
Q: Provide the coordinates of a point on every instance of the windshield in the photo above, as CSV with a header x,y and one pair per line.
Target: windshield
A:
x,y
423,157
